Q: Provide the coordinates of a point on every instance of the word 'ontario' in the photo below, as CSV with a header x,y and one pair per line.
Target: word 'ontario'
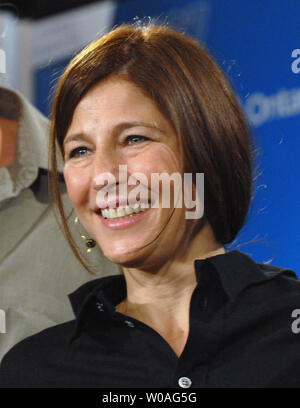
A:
x,y
159,194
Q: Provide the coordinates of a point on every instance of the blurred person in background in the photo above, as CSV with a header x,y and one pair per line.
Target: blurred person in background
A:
x,y
37,267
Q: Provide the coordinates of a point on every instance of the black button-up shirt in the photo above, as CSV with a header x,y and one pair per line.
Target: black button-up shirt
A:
x,y
243,333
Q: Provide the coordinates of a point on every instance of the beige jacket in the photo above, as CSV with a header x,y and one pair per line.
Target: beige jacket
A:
x,y
37,268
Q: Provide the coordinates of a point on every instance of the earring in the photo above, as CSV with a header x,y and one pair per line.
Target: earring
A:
x,y
89,242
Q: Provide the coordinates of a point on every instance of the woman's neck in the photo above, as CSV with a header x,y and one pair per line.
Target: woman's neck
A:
x,y
162,299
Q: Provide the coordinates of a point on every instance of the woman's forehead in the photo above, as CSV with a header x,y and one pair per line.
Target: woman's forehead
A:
x,y
115,102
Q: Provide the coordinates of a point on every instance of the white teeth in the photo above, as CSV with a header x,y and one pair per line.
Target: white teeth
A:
x,y
136,208
124,211
109,213
145,206
120,211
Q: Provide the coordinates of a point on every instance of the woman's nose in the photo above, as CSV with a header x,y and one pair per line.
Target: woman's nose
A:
x,y
105,168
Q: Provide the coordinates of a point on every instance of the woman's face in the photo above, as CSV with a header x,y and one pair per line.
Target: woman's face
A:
x,y
116,124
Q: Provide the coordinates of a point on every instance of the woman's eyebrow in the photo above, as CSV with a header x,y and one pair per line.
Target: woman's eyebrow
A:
x,y
78,137
75,137
128,124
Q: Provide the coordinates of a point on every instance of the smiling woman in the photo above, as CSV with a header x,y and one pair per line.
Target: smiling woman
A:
x,y
108,143
185,312
196,118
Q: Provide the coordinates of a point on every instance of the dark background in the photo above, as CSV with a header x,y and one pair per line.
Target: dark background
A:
x,y
36,9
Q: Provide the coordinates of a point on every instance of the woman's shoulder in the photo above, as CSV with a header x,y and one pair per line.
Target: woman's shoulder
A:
x,y
273,269
34,358
238,269
247,282
25,362
274,279
285,278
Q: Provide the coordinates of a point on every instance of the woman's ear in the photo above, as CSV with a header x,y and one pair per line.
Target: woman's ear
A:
x,y
8,141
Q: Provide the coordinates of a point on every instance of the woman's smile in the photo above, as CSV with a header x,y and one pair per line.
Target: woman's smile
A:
x,y
122,217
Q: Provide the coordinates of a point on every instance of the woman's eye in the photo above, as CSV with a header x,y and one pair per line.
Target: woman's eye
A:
x,y
135,139
78,152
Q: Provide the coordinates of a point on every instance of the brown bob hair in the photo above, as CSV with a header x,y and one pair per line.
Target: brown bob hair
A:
x,y
192,92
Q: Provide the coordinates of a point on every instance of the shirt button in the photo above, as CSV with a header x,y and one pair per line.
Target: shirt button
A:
x,y
129,323
184,382
100,306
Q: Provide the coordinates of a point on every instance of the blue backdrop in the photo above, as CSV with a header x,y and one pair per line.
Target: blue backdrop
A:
x,y
257,44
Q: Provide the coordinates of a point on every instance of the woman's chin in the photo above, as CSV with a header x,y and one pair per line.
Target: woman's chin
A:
x,y
129,258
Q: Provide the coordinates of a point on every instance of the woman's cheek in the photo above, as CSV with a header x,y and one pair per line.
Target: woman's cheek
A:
x,y
159,160
77,183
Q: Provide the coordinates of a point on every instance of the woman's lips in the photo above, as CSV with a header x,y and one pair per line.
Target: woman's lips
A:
x,y
123,222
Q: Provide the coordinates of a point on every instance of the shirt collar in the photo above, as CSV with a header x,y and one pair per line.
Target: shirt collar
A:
x,y
108,291
235,271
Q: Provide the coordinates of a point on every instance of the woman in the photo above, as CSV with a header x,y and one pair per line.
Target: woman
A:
x,y
184,313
